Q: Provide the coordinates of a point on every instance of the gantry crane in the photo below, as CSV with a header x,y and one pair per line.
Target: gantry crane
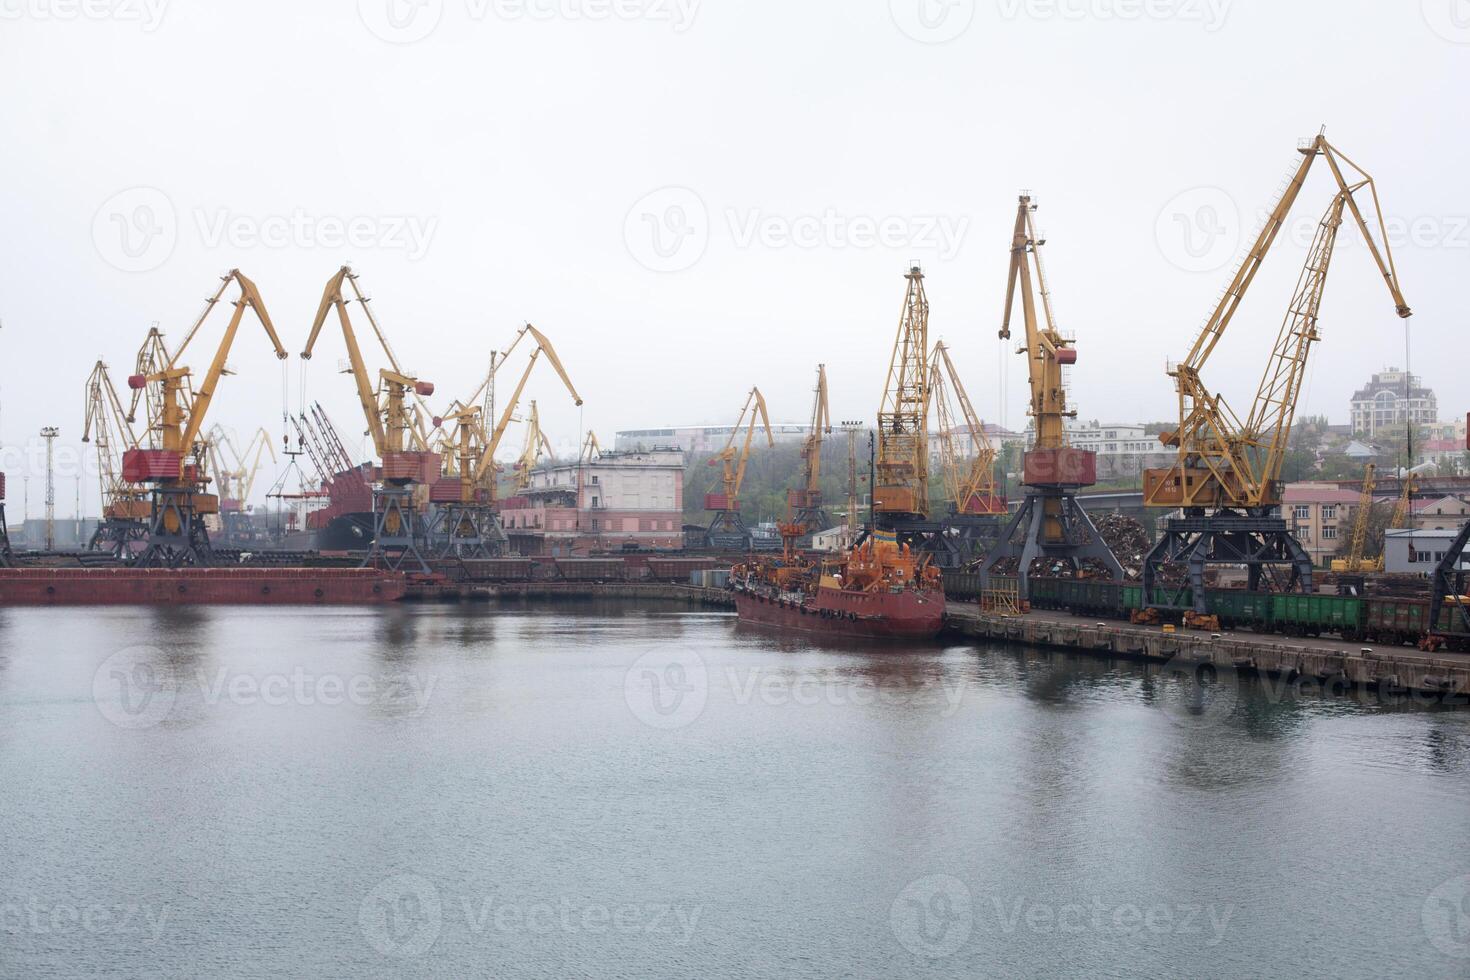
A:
x,y
1050,523
467,522
534,447
1226,479
901,488
125,505
176,531
394,425
727,531
1354,562
804,507
235,476
976,510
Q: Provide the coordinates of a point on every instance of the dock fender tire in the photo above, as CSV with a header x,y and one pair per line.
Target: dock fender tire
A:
x,y
265,590
319,593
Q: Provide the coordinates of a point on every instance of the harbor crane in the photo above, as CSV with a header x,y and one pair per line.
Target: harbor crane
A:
x,y
395,427
591,448
125,505
901,488
535,446
174,470
727,531
1226,478
467,522
1355,562
976,509
805,506
1050,523
235,476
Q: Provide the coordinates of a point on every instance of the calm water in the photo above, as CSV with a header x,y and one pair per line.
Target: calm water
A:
x,y
599,791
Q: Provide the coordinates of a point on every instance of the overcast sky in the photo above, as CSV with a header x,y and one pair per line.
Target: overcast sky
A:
x,y
694,197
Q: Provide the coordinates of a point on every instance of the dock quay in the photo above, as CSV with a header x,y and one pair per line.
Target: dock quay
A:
x,y
1329,661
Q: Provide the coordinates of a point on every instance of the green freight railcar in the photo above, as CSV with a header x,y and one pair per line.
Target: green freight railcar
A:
x,y
1238,607
1313,615
1094,597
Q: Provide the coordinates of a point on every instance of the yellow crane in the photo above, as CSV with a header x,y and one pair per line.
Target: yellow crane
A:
x,y
727,530
125,505
393,422
591,448
535,446
1226,478
1050,523
466,523
970,486
1355,561
805,507
176,533
901,489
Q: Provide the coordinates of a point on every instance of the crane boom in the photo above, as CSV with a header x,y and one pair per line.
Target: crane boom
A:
x,y
543,346
204,394
811,450
1224,461
367,397
732,476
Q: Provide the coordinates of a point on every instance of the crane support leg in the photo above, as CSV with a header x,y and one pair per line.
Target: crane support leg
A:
x,y
1049,524
396,530
813,520
176,533
466,531
1258,540
116,536
727,532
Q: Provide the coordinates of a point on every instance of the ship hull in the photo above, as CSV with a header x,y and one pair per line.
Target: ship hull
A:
x,y
198,586
909,615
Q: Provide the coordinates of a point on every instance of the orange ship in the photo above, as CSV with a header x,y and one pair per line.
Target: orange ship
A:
x,y
879,589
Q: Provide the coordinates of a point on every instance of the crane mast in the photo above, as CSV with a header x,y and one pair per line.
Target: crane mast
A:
x,y
901,492
805,507
1226,478
727,529
1050,523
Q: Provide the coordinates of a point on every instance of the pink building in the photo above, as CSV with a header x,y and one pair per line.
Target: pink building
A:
x,y
1319,514
616,501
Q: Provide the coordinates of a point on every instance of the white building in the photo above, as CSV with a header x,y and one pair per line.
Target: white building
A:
x,y
1418,551
1107,439
700,439
1389,401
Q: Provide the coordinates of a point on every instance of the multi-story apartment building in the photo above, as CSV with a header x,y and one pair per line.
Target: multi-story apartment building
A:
x,y
1319,514
1390,400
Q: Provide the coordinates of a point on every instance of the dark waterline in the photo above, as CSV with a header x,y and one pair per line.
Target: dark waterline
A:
x,y
614,791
